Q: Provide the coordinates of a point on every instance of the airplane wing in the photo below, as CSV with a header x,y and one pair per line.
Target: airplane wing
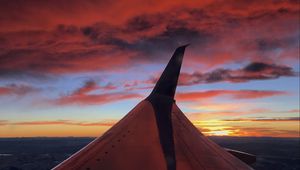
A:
x,y
155,135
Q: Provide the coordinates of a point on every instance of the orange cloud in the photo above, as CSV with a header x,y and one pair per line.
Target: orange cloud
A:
x,y
218,107
265,119
54,128
216,114
265,132
236,94
225,115
288,128
65,122
3,122
250,131
285,127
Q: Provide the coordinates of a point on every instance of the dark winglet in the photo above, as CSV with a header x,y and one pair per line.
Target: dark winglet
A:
x,y
162,99
167,83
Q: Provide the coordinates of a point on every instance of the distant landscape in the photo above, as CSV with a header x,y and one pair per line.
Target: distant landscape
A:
x,y
44,153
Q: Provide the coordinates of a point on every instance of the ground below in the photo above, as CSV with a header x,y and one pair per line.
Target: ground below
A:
x,y
45,153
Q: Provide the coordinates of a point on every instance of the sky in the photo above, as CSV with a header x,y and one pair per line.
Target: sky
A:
x,y
76,67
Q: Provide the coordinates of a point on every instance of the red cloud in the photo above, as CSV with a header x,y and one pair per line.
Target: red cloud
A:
x,y
236,94
84,95
68,61
88,87
75,38
94,98
252,94
14,89
47,14
294,111
91,85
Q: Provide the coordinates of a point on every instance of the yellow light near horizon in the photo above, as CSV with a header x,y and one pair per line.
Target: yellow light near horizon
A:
x,y
212,127
219,133
217,107
52,131
248,128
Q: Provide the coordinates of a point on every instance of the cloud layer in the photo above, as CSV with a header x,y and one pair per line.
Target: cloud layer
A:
x,y
47,41
51,46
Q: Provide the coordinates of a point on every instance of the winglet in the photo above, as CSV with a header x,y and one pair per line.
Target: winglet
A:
x,y
167,83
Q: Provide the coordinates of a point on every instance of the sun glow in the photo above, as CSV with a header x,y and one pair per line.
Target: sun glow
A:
x,y
247,128
219,133
216,128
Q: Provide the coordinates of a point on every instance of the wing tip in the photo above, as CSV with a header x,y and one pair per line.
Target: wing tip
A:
x,y
167,83
183,46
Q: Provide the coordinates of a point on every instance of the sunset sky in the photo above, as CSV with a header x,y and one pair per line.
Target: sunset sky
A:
x,y
76,67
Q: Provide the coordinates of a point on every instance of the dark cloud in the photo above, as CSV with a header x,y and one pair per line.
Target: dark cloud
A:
x,y
88,86
17,89
148,35
62,61
67,29
14,74
71,39
140,23
268,71
103,33
154,48
253,71
257,67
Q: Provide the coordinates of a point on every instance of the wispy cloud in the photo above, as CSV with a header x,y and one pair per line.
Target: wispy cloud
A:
x,y
17,89
208,115
84,95
253,71
3,122
265,119
60,122
235,94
